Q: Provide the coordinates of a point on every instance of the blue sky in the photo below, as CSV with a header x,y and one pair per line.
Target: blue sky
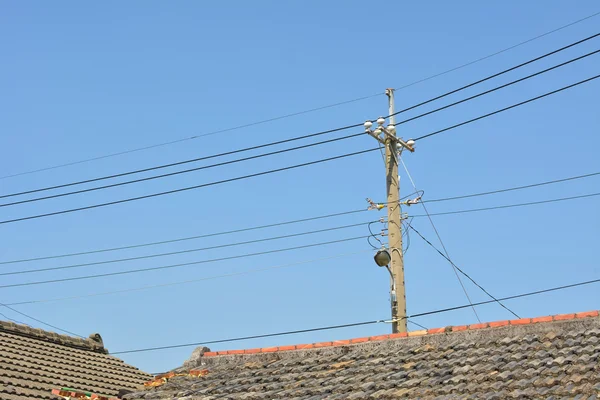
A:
x,y
80,80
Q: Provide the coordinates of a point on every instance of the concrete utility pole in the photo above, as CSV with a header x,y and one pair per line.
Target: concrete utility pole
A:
x,y
398,290
393,259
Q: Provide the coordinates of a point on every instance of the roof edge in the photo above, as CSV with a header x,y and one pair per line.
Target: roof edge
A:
x,y
65,340
424,332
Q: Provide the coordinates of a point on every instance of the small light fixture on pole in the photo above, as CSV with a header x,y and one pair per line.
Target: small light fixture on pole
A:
x,y
383,258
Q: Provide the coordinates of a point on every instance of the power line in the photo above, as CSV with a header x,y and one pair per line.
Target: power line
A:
x,y
187,187
233,274
497,87
508,108
242,150
182,171
495,76
512,188
295,166
438,311
308,220
295,138
463,272
187,238
300,112
511,205
226,245
163,267
39,320
440,239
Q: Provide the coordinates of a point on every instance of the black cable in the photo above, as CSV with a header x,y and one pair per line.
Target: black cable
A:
x,y
186,238
423,314
508,108
39,320
309,135
191,161
512,188
496,74
420,192
463,272
300,112
226,245
133,271
511,205
419,325
497,88
185,171
187,188
203,279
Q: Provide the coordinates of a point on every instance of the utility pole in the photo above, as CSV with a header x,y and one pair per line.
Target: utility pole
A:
x,y
394,257
398,290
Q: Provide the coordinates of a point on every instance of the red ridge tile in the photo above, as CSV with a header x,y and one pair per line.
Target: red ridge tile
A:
x,y
380,337
250,351
269,349
522,321
433,331
341,342
586,314
497,324
562,317
210,354
541,319
287,348
479,326
417,333
398,335
323,344
459,328
359,340
305,346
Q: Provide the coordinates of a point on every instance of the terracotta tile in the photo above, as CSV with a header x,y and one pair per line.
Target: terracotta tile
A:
x,y
541,319
497,324
417,333
479,326
433,331
287,348
522,321
586,314
269,349
359,340
380,337
459,328
398,335
562,317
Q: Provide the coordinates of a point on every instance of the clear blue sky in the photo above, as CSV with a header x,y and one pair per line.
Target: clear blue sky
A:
x,y
81,80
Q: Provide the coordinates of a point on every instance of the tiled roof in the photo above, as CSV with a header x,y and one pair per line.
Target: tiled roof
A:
x,y
33,362
548,357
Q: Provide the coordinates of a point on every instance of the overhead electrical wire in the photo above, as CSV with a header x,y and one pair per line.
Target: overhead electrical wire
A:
x,y
169,284
221,233
36,320
498,87
463,272
355,324
194,250
293,166
511,205
439,238
301,112
149,178
326,216
187,187
508,108
204,158
171,266
279,142
512,188
501,73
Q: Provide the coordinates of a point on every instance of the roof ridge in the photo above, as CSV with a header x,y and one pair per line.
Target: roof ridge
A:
x,y
89,344
424,332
